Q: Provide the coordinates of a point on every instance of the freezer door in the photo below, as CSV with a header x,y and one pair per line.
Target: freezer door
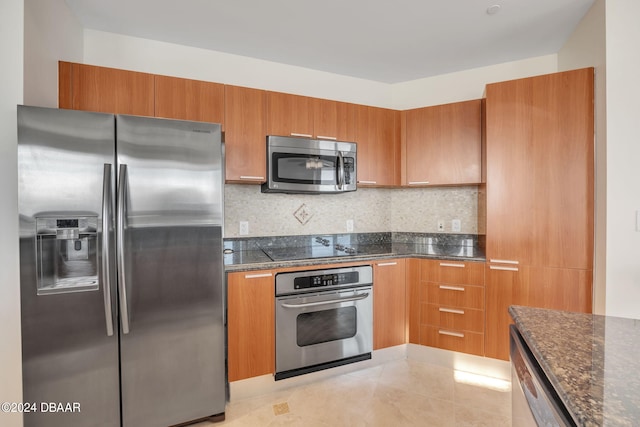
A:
x,y
66,161
169,204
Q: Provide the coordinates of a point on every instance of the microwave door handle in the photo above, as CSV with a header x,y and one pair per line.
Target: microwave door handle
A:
x,y
340,171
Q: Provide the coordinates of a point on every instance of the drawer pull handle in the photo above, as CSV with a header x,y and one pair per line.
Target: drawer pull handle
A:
x,y
256,276
504,261
367,182
332,138
253,178
418,182
384,264
498,267
451,334
451,310
449,264
452,288
304,135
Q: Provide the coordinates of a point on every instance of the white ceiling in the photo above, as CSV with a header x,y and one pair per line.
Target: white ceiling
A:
x,y
383,40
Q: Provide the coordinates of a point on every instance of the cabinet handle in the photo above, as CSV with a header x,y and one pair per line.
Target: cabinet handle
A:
x,y
451,334
503,261
451,288
383,264
253,178
256,276
332,138
448,264
498,267
304,135
367,182
418,182
450,310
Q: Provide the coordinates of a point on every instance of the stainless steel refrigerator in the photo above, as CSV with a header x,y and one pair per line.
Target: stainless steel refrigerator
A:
x,y
121,269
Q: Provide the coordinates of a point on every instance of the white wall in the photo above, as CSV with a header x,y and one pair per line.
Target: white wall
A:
x,y
133,53
586,48
467,84
11,39
51,34
623,155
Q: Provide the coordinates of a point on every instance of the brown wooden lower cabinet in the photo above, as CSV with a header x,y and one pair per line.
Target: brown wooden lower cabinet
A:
x,y
452,339
450,306
389,303
250,324
461,319
542,287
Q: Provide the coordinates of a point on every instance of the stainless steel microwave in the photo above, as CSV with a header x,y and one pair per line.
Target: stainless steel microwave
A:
x,y
301,165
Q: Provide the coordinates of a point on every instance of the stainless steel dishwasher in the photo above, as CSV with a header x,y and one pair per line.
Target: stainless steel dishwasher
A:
x,y
534,401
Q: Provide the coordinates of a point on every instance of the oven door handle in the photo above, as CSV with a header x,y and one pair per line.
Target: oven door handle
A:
x,y
333,301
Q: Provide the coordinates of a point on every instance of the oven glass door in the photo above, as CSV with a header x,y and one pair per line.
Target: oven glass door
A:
x,y
323,327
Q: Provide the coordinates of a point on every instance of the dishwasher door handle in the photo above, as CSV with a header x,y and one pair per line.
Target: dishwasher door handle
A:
x,y
333,301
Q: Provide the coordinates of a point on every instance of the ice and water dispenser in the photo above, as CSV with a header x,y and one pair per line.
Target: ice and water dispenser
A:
x,y
67,256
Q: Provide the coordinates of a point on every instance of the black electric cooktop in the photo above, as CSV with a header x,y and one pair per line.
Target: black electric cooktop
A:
x,y
325,247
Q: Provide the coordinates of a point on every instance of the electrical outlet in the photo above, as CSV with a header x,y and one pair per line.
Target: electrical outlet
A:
x,y
440,225
244,228
349,226
455,225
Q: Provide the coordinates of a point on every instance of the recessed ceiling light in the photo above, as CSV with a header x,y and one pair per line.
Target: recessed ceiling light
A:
x,y
492,10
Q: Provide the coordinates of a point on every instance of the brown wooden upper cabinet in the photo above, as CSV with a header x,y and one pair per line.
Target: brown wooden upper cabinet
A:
x,y
186,99
289,115
245,134
333,120
443,144
377,133
295,115
105,90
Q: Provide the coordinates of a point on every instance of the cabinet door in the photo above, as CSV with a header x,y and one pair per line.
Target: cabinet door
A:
x,y
289,115
500,284
333,120
539,155
378,136
542,287
413,299
443,144
105,90
186,99
245,134
389,299
250,324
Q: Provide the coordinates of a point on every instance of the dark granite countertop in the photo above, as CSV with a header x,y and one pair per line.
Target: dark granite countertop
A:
x,y
246,254
590,360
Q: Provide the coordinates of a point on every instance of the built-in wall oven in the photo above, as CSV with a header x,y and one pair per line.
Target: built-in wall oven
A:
x,y
324,318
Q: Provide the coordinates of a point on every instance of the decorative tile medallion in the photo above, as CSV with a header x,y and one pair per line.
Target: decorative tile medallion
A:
x,y
303,214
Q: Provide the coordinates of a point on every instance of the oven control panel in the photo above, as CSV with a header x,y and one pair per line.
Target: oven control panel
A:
x,y
301,281
322,280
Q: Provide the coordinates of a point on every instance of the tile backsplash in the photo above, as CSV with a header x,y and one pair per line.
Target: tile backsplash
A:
x,y
371,209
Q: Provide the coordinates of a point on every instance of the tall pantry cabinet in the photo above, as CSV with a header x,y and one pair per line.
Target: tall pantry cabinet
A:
x,y
539,198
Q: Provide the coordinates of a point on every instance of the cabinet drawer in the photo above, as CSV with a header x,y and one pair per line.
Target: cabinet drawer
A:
x,y
459,296
466,273
451,339
464,319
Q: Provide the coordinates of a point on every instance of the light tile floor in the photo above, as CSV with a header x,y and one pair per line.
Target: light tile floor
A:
x,y
398,393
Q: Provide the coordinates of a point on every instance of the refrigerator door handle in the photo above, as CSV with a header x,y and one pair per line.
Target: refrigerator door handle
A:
x,y
106,227
122,285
